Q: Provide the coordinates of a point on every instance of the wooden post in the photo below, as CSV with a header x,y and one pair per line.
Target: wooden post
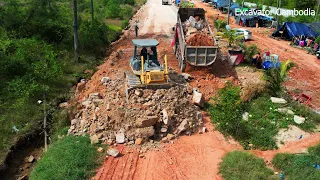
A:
x,y
45,123
75,26
92,10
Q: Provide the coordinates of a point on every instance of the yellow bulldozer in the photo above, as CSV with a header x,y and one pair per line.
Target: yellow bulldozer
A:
x,y
146,69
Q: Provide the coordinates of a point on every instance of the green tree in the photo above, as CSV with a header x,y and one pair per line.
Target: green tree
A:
x,y
93,37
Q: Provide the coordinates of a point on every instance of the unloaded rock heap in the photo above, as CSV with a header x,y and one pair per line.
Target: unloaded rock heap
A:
x,y
197,32
159,115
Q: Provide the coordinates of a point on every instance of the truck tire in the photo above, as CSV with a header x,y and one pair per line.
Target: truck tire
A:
x,y
183,67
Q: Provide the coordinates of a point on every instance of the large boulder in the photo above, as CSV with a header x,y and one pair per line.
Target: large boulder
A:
x,y
299,119
113,152
120,138
146,121
198,99
95,96
145,132
166,118
278,100
285,111
184,125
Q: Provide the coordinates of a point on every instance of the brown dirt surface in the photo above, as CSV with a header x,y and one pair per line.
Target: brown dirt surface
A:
x,y
189,157
199,39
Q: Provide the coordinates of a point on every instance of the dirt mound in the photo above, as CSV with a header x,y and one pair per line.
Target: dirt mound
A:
x,y
160,114
199,39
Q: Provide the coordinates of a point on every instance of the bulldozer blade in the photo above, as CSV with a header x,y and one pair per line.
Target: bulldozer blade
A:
x,y
133,82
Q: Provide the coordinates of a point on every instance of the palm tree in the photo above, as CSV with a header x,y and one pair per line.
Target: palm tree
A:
x,y
232,37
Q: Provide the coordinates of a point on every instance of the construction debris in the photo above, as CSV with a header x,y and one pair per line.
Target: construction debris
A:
x,y
148,114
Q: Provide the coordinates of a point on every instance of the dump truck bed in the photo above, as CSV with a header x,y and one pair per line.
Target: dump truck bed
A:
x,y
194,55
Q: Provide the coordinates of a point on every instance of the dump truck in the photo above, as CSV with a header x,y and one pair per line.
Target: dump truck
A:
x,y
194,55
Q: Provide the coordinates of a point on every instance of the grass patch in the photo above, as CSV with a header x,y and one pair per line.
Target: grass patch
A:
x,y
71,158
114,27
264,120
299,166
239,165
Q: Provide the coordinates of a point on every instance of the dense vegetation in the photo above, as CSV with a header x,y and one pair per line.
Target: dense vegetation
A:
x,y
243,165
37,57
299,166
71,158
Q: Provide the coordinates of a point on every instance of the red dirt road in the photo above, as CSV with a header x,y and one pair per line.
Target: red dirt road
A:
x,y
190,157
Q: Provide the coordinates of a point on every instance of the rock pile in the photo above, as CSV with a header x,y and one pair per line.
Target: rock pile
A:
x,y
160,114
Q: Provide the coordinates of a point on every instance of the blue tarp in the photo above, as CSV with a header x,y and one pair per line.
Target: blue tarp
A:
x,y
222,3
235,5
291,29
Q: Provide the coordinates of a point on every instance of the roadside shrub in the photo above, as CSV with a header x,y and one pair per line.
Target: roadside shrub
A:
x,y
124,24
71,158
126,12
275,77
249,51
226,112
299,166
220,25
240,165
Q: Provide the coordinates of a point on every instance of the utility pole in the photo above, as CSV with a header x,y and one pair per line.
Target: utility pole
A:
x,y
92,13
229,12
75,26
242,3
45,123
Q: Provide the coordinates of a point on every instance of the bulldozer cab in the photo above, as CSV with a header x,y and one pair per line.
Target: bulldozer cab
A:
x,y
146,48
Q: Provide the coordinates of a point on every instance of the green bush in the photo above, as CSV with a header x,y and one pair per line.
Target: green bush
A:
x,y
240,165
249,51
113,9
71,158
226,112
93,37
275,77
126,12
125,24
220,25
299,166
